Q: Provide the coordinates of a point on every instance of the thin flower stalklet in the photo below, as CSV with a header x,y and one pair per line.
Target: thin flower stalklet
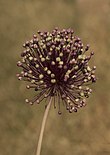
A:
x,y
56,67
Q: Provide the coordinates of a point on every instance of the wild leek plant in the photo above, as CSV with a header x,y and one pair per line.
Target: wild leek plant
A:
x,y
56,67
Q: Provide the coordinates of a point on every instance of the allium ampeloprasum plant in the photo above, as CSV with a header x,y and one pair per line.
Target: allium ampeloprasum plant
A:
x,y
56,67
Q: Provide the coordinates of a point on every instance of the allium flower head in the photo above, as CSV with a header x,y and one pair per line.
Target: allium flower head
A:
x,y
55,65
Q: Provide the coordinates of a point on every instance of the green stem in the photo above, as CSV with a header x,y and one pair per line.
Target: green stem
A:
x,y
43,127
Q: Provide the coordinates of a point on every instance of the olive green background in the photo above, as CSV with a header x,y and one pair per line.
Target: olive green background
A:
x,y
84,133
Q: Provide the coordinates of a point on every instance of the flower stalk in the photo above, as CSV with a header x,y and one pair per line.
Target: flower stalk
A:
x,y
43,127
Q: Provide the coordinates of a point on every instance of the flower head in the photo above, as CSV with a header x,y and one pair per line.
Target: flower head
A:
x,y
55,65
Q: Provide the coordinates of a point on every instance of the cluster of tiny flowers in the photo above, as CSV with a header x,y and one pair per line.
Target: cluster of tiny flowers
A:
x,y
55,65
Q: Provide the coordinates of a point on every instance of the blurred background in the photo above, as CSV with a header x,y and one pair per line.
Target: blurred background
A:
x,y
84,133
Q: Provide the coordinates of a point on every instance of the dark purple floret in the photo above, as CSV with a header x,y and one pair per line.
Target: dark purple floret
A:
x,y
55,65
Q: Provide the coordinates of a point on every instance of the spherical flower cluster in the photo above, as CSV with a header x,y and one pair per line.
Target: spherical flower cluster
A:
x,y
55,65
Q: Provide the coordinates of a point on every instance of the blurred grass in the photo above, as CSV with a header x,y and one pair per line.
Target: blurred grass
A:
x,y
84,133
